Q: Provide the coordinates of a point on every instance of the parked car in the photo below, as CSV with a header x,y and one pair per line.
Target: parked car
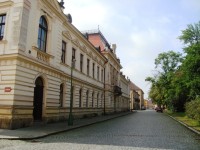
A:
x,y
143,108
159,109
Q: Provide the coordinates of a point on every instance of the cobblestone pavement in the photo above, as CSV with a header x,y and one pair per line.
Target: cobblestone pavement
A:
x,y
144,130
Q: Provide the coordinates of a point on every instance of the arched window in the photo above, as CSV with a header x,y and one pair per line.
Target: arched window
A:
x,y
42,34
80,97
61,95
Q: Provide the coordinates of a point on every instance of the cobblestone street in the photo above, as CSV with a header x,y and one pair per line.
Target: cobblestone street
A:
x,y
140,130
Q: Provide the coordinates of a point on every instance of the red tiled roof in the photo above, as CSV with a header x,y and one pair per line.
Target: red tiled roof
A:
x,y
134,87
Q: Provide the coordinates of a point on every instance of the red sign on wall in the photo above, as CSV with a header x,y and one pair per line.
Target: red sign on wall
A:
x,y
7,89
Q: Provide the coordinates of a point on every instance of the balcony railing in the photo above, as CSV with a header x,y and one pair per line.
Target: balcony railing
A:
x,y
117,90
42,56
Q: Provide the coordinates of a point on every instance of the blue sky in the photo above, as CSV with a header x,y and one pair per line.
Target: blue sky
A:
x,y
141,29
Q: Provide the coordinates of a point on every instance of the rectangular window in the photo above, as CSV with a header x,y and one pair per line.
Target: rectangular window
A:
x,y
63,56
102,75
98,73
81,62
88,67
2,25
73,53
93,66
74,57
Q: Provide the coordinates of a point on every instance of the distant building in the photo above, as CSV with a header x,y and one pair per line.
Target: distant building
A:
x,y
150,104
136,97
146,104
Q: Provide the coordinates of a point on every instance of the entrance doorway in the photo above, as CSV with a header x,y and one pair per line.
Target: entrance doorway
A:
x,y
38,99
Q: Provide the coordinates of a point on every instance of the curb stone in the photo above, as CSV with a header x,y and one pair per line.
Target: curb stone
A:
x,y
48,133
190,128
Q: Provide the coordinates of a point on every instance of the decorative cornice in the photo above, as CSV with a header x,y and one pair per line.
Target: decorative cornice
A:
x,y
67,35
7,3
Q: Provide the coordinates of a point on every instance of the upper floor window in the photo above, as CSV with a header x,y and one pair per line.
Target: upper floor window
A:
x,y
63,56
74,56
2,25
42,34
81,62
97,72
93,66
88,66
73,53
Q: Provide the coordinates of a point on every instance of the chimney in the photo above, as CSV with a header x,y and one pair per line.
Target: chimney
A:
x,y
114,46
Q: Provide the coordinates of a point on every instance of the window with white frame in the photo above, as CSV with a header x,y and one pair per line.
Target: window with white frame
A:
x,y
93,71
74,57
98,73
81,62
88,67
63,56
42,34
2,25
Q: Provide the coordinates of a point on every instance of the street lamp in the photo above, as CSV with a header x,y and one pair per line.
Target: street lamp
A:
x,y
70,119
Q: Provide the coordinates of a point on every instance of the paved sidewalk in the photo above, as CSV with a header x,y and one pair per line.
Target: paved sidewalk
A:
x,y
38,131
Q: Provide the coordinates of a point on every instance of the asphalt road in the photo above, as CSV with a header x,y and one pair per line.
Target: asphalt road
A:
x,y
143,130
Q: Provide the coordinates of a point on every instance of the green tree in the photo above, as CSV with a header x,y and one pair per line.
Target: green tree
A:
x,y
162,90
191,63
191,35
178,79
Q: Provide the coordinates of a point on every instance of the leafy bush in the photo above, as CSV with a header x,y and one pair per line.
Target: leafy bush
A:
x,y
193,109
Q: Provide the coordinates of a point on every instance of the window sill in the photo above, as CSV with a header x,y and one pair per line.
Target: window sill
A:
x,y
3,41
64,64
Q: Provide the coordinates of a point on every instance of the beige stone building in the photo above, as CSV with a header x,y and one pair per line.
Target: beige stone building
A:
x,y
46,63
136,97
116,85
124,99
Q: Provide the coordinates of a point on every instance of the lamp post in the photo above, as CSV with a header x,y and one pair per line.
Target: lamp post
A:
x,y
70,119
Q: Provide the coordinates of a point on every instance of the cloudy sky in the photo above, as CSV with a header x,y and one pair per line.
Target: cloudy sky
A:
x,y
141,29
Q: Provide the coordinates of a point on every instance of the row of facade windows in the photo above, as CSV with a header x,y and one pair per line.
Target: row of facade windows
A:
x,y
63,60
42,42
99,99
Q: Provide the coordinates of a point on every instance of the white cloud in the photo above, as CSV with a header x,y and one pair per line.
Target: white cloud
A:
x,y
141,29
87,13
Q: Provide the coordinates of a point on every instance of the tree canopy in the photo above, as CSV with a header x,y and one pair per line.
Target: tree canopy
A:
x,y
178,78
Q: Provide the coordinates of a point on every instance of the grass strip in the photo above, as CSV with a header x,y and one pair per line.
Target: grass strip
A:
x,y
181,116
